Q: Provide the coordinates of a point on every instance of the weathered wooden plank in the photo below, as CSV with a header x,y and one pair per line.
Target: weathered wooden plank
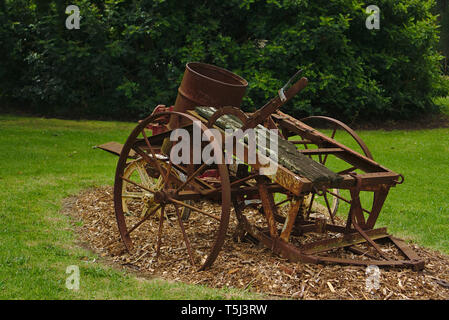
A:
x,y
288,155
282,176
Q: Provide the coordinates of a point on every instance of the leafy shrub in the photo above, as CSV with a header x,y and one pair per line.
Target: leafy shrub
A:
x,y
129,56
442,10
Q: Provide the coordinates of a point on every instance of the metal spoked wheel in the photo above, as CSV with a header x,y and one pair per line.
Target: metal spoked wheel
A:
x,y
152,190
138,202
330,200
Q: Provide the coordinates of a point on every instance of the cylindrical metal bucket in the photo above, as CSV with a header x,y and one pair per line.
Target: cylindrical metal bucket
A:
x,y
208,85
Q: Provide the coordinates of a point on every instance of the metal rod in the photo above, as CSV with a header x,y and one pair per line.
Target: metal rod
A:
x,y
347,170
143,220
184,235
370,241
310,206
191,177
332,137
159,233
193,208
345,200
233,183
282,202
329,209
152,151
138,185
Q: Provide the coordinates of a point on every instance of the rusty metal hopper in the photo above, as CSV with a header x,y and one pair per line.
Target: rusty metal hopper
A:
x,y
207,85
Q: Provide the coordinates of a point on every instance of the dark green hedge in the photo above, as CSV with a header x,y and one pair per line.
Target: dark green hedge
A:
x,y
443,10
129,56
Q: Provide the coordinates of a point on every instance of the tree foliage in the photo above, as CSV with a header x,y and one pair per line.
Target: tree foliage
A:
x,y
443,11
129,56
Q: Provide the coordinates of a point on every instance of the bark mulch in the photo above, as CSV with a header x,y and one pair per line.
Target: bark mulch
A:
x,y
245,265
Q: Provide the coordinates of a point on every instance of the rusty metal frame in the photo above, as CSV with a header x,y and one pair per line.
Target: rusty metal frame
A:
x,y
209,85
376,178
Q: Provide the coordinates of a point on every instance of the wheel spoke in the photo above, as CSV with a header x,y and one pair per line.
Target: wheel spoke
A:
x,y
333,133
143,174
153,159
166,177
138,185
345,200
184,235
144,211
347,170
144,155
192,176
194,208
159,232
306,147
329,208
153,154
132,195
138,224
233,184
199,181
325,157
310,206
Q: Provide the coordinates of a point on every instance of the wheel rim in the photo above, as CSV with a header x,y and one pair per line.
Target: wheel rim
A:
x,y
164,199
349,130
336,125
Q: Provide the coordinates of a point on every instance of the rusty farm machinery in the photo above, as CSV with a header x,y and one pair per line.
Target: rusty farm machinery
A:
x,y
320,205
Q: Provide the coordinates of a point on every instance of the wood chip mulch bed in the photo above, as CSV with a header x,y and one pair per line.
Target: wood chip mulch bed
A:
x,y
246,265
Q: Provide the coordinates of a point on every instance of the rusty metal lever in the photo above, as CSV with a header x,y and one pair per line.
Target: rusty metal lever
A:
x,y
281,91
274,104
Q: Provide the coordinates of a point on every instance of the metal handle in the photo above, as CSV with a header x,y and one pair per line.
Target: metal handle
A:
x,y
281,91
274,104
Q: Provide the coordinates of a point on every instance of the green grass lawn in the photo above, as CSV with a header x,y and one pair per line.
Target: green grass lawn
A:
x,y
418,209
43,161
